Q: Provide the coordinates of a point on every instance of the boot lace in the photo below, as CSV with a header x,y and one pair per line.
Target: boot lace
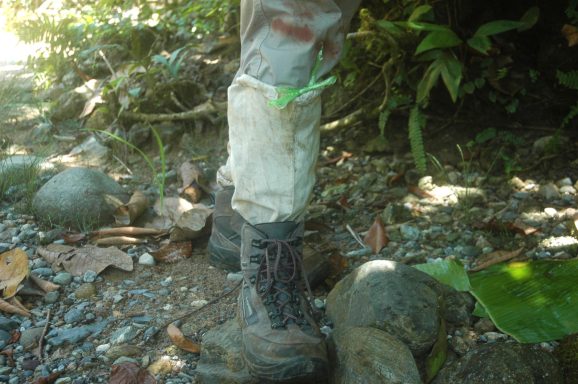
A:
x,y
278,282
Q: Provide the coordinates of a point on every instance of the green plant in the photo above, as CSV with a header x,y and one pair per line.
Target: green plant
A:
x,y
569,80
172,63
19,180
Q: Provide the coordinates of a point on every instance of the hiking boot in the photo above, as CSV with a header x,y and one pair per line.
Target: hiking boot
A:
x,y
225,241
281,340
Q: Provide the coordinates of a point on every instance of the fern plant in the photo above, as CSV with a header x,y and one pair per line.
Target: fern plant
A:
x,y
569,80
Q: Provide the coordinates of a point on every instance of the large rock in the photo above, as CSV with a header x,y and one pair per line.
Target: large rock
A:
x,y
502,364
79,198
368,355
221,361
392,297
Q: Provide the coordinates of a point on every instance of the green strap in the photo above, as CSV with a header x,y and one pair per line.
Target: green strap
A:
x,y
288,94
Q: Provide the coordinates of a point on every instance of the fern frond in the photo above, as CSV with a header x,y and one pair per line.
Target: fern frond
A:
x,y
571,115
568,79
416,124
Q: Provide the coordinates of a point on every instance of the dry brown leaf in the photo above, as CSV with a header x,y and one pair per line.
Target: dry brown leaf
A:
x,y
192,224
181,341
190,174
126,214
570,32
13,269
193,193
419,192
90,258
48,379
173,208
9,308
130,373
376,237
119,240
490,259
174,252
520,227
45,285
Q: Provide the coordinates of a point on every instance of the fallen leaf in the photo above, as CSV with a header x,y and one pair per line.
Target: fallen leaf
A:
x,y
490,259
127,213
48,379
419,192
376,237
193,192
570,32
130,373
89,258
174,252
9,308
173,208
192,224
181,341
46,286
14,336
73,238
13,269
190,173
519,226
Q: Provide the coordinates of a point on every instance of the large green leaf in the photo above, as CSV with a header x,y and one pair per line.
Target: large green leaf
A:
x,y
438,39
498,26
449,272
427,82
438,355
529,19
481,44
532,301
420,26
452,75
420,11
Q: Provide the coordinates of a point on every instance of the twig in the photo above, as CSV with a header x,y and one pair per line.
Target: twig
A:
x,y
103,56
207,108
177,102
123,164
41,340
190,313
128,231
355,236
119,240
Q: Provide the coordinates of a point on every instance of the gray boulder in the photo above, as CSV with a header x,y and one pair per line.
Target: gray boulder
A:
x,y
221,361
391,297
80,198
502,364
368,355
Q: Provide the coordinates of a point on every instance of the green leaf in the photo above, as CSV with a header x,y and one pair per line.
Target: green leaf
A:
x,y
438,39
389,26
529,19
532,301
481,44
498,26
449,272
479,310
427,82
452,75
420,26
419,12
438,355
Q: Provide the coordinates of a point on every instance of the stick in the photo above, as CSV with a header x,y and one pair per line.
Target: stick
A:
x,y
38,351
207,108
128,231
356,236
119,240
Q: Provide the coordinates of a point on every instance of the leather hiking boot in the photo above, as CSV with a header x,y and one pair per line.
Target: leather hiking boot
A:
x,y
281,340
225,241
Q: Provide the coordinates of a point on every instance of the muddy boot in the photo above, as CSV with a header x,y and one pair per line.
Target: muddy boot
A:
x,y
281,341
225,241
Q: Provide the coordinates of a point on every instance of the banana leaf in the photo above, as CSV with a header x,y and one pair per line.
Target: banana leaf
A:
x,y
447,271
533,301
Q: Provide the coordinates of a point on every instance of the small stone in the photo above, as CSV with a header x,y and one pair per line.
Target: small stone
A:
x,y
146,259
74,315
89,277
43,272
63,380
234,276
568,190
102,348
123,350
426,183
551,212
51,297
564,182
517,183
62,278
492,337
125,359
85,291
29,337
549,192
484,325
7,324
123,335
409,232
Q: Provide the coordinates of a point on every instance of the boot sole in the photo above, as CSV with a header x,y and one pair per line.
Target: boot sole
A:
x,y
295,370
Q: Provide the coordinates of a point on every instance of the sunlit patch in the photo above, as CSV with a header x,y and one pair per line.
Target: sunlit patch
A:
x,y
14,53
519,270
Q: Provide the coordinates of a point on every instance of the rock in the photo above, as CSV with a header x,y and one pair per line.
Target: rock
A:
x,y
549,192
85,291
89,276
7,324
79,197
62,278
547,143
147,259
102,348
409,232
123,335
502,363
29,337
123,350
75,335
88,153
564,182
392,297
221,361
68,106
4,338
568,190
75,314
99,119
368,355
51,297
560,243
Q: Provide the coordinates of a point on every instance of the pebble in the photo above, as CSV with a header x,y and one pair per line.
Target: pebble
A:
x,y
62,278
123,335
234,276
564,182
549,192
89,277
43,272
7,324
551,212
63,380
409,232
102,348
51,297
85,291
568,190
147,259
